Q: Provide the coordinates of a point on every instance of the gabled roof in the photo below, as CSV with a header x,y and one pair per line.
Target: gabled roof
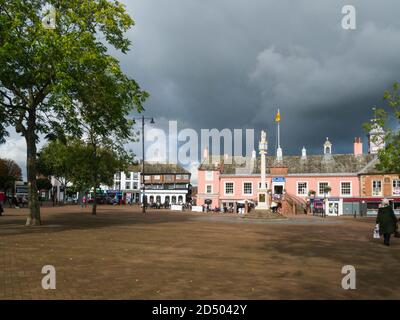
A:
x,y
324,164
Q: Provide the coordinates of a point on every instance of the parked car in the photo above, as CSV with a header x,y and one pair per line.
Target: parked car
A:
x,y
111,200
99,200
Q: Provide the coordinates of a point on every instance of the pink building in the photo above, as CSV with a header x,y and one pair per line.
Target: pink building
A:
x,y
332,179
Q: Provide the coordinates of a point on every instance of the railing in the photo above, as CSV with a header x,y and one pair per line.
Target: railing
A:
x,y
299,204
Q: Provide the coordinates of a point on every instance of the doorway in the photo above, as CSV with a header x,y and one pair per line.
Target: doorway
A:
x,y
278,189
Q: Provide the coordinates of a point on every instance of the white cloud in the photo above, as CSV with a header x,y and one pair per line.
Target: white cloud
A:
x,y
15,149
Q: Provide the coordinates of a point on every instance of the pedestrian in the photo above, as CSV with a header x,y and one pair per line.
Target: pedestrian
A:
x,y
274,206
24,201
2,201
387,221
15,202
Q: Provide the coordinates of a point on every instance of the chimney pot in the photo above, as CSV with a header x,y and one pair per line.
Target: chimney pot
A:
x,y
358,146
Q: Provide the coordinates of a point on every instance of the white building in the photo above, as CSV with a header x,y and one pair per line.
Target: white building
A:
x,y
164,183
127,184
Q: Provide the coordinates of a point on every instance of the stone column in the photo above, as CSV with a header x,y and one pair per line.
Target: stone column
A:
x,y
262,194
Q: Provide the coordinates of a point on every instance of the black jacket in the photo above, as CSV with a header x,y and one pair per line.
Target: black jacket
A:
x,y
386,219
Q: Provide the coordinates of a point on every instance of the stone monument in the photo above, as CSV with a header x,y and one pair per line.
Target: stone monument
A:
x,y
262,210
262,192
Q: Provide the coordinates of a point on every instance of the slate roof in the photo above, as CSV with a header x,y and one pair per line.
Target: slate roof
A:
x,y
158,168
313,164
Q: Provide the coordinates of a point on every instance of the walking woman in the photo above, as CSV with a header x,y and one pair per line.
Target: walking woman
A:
x,y
387,221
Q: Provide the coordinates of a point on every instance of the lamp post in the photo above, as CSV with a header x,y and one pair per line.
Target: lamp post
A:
x,y
144,201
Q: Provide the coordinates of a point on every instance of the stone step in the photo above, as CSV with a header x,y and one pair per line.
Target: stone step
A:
x,y
263,214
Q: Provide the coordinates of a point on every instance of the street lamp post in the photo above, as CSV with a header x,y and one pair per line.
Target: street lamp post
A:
x,y
144,201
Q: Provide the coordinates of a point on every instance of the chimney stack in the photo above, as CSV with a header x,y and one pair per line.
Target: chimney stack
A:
x,y
358,147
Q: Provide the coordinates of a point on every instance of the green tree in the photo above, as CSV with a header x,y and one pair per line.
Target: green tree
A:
x,y
386,124
104,103
44,184
42,69
56,159
85,164
96,165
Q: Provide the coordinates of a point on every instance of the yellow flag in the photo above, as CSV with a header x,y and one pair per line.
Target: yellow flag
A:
x,y
278,117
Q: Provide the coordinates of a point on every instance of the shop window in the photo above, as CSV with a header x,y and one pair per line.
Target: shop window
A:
x,y
396,187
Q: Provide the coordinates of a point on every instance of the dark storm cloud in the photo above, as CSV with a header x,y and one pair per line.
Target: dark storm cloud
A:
x,y
230,64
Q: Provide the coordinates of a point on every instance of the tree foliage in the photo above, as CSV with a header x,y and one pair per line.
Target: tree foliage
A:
x,y
73,162
56,159
48,76
389,120
44,184
108,160
10,172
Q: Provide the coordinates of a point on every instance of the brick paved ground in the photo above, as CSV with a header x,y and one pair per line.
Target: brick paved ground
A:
x,y
121,254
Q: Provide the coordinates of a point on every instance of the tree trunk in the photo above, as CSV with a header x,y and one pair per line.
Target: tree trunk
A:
x,y
94,208
94,167
33,218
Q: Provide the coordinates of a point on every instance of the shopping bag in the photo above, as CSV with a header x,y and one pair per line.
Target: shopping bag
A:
x,y
376,232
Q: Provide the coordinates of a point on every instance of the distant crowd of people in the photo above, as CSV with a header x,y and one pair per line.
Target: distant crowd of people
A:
x,y
239,208
12,201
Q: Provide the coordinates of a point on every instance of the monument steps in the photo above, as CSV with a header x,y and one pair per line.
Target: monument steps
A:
x,y
264,214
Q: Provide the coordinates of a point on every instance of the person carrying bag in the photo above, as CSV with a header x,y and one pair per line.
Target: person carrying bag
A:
x,y
387,221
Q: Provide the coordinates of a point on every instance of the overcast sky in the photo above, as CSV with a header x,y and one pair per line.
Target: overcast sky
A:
x,y
232,63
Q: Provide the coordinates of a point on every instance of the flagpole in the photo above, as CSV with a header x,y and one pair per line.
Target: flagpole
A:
x,y
279,150
279,132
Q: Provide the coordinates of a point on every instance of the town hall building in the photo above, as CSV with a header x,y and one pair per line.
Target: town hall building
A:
x,y
337,183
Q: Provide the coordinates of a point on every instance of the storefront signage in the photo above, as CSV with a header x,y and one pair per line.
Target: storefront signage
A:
x,y
278,179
